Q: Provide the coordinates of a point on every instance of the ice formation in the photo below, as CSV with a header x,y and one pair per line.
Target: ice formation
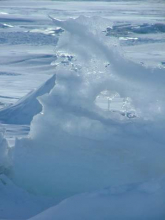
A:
x,y
23,111
96,144
74,145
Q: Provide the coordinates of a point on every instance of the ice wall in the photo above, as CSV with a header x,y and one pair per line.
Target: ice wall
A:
x,y
74,146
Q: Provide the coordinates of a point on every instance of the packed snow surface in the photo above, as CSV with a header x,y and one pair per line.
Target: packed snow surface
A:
x,y
131,202
96,145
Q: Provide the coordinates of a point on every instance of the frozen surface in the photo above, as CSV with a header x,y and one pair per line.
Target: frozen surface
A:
x,y
17,203
82,147
99,135
131,202
23,111
12,131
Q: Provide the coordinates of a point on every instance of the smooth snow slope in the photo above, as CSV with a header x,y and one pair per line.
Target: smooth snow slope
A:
x,y
131,202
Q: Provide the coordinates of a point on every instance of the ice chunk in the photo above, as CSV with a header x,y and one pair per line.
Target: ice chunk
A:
x,y
76,147
23,111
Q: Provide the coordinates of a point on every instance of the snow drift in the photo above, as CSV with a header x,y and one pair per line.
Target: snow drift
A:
x,y
75,146
23,111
